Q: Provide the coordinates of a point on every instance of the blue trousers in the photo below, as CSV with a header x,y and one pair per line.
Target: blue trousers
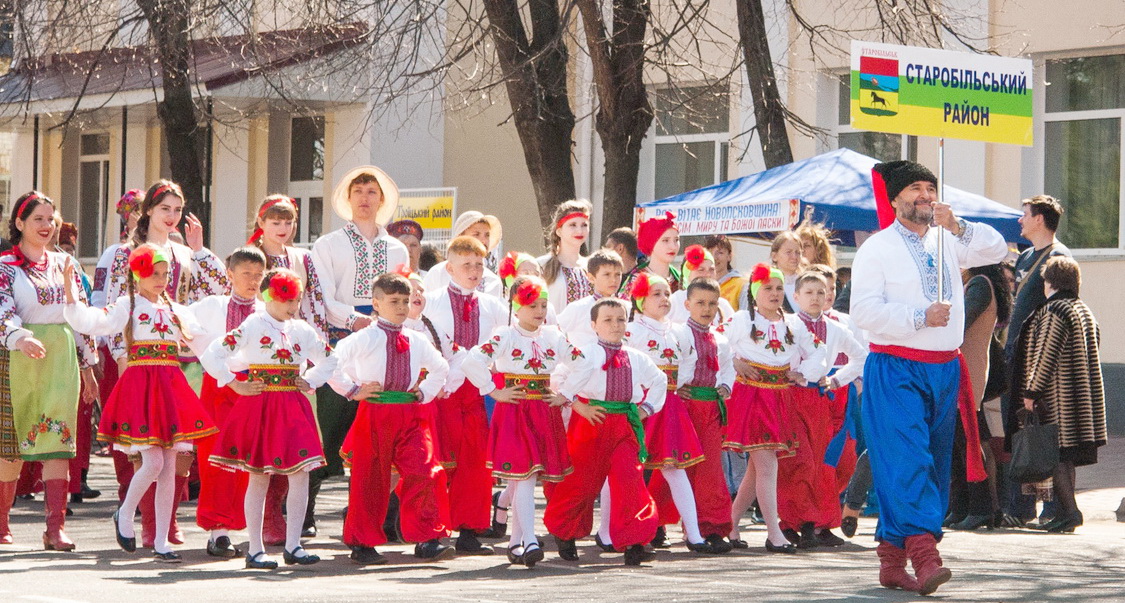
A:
x,y
909,413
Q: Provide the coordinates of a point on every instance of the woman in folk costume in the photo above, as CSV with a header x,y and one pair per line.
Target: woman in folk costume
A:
x,y
659,240
152,411
698,263
39,370
272,430
489,232
564,266
275,226
771,349
194,273
670,437
527,440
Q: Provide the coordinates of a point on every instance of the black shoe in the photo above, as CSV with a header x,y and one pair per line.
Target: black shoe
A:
x,y
849,525
258,561
722,546
660,541
222,547
808,536
788,548
467,544
791,535
88,492
637,554
76,499
1003,520
498,530
951,519
513,558
603,546
365,555
756,514
705,548
169,557
291,558
1064,525
738,543
973,522
309,531
827,538
433,550
129,545
567,549
532,554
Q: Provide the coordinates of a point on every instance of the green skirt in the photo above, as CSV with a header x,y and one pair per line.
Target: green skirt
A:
x,y
41,397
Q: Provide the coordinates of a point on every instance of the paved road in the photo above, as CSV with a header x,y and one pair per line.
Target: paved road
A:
x,y
1000,565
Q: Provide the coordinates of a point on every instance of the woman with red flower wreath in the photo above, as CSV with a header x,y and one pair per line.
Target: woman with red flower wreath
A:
x,y
272,429
772,350
527,440
699,263
152,410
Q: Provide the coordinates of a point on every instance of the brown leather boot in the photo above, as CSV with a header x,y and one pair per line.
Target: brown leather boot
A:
x,y
7,497
55,495
892,568
924,557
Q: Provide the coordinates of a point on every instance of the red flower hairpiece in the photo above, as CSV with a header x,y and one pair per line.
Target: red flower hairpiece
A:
x,y
760,274
509,265
528,293
695,255
130,202
282,287
404,271
143,260
642,286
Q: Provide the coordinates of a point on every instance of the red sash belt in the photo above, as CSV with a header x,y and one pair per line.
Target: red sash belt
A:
x,y
974,463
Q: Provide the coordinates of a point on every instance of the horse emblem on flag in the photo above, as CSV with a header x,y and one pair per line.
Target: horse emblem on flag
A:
x,y
878,86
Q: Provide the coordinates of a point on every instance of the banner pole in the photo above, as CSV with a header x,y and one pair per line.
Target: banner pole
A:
x,y
941,235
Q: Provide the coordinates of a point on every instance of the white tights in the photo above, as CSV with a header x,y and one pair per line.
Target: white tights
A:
x,y
522,516
760,479
159,465
295,503
682,496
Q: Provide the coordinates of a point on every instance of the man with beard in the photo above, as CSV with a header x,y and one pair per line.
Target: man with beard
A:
x,y
915,382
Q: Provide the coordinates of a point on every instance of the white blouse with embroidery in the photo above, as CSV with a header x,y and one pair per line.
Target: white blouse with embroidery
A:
x,y
36,297
151,321
314,309
784,342
587,378
567,289
516,351
347,264
363,359
659,340
264,340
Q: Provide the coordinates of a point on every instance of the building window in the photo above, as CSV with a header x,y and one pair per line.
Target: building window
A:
x,y
879,145
692,138
93,193
1083,138
306,149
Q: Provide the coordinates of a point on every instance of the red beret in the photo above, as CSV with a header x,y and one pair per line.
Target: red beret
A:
x,y
650,231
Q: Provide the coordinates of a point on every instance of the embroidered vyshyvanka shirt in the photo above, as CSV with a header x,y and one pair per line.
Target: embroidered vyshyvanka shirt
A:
x,y
36,296
264,340
347,264
783,342
515,351
363,359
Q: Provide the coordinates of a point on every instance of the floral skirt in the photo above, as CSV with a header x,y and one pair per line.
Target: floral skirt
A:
x,y
39,399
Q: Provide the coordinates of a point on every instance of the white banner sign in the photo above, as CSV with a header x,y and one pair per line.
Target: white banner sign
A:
x,y
736,218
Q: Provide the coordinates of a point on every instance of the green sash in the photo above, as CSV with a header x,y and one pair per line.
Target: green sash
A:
x,y
633,415
709,394
390,397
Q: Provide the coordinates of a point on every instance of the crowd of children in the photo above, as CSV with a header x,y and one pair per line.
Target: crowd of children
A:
x,y
614,389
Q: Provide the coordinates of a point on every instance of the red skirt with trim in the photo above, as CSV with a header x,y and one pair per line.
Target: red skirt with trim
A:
x,y
757,419
670,437
526,438
153,405
273,432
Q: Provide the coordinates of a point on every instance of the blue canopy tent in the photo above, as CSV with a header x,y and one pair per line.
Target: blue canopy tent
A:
x,y
837,185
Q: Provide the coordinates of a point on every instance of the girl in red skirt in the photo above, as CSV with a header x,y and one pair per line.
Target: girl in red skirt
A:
x,y
771,350
526,440
272,430
670,437
152,410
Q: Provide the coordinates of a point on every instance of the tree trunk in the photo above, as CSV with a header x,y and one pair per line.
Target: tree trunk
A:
x,y
769,111
169,28
535,79
624,113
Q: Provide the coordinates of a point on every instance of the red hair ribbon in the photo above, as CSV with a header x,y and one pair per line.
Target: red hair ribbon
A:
x,y
160,190
257,234
143,260
282,287
15,257
572,215
404,271
23,206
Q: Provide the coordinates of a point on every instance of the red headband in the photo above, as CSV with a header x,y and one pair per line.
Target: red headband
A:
x,y
160,190
257,234
23,206
571,216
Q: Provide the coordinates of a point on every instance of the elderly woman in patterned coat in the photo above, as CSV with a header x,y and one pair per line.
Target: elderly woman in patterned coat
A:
x,y
1057,374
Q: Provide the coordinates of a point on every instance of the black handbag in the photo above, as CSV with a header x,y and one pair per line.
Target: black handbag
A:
x,y
1035,451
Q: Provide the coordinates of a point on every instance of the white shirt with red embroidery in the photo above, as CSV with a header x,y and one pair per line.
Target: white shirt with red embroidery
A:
x,y
726,374
516,351
785,342
587,378
438,278
363,359
347,264
314,308
151,321
262,339
659,340
493,313
680,314
211,315
39,298
841,341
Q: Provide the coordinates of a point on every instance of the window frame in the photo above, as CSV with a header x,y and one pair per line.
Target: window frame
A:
x,y
721,165
102,216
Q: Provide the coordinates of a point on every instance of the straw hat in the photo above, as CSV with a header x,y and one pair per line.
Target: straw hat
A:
x,y
467,219
390,194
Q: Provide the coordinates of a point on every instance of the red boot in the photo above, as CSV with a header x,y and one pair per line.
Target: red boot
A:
x,y
924,557
148,517
7,497
273,522
175,535
892,568
54,539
